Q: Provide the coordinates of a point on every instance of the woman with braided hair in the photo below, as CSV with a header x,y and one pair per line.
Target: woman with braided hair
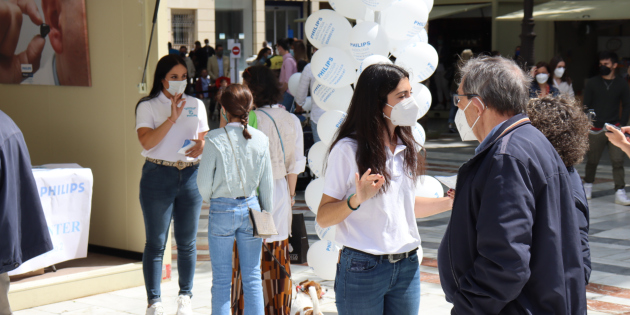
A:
x,y
286,149
236,162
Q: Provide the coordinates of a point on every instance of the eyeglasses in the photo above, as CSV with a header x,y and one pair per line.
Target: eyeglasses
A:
x,y
456,97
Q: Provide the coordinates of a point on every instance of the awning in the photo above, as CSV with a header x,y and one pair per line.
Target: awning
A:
x,y
441,11
576,11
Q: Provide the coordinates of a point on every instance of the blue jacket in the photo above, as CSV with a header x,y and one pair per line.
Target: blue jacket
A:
x,y
512,245
23,230
582,215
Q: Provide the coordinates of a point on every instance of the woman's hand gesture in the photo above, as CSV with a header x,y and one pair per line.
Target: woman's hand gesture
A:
x,y
367,186
177,106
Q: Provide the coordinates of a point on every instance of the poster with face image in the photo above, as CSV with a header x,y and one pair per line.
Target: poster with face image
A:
x,y
44,42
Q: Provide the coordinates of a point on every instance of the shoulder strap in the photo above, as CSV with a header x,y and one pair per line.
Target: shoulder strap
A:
x,y
235,161
278,131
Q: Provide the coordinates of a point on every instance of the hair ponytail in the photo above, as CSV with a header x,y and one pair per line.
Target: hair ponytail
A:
x,y
245,122
237,100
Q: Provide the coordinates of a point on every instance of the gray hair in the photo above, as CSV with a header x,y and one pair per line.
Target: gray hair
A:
x,y
499,82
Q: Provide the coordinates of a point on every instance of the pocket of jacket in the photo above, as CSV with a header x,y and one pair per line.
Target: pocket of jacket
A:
x,y
222,222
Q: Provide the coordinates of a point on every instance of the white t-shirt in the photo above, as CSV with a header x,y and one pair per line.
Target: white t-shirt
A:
x,y
565,88
385,224
192,121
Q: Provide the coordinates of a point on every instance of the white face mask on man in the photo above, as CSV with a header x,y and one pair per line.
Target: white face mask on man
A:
x,y
404,113
176,87
466,131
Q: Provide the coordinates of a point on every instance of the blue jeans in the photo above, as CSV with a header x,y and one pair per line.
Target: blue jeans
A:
x,y
453,112
287,101
315,134
229,219
167,193
368,285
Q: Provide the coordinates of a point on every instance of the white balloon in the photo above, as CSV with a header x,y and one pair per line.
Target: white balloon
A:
x,y
420,59
333,67
429,4
429,187
372,60
313,194
328,98
317,157
322,257
423,97
368,39
353,9
424,36
308,104
294,82
377,5
396,47
327,234
404,19
419,135
327,28
329,124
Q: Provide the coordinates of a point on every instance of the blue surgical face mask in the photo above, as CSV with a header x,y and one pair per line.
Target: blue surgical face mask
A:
x,y
291,52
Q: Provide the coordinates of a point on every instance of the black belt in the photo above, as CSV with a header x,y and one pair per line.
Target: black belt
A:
x,y
393,258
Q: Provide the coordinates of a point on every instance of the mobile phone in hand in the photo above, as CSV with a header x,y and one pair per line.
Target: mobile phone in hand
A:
x,y
618,128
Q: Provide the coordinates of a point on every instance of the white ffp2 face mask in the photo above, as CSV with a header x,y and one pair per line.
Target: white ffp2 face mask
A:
x,y
404,113
559,72
542,78
466,131
176,87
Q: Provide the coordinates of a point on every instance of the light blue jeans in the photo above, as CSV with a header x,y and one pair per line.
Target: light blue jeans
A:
x,y
370,285
229,219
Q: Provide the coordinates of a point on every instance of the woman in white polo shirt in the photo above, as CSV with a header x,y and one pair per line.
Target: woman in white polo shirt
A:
x,y
165,120
375,212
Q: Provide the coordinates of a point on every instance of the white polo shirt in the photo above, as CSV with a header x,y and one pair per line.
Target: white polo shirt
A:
x,y
192,121
385,224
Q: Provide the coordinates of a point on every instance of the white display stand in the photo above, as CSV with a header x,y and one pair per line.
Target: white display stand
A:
x,y
65,191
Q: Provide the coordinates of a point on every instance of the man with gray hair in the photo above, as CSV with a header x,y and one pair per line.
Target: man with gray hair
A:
x,y
512,245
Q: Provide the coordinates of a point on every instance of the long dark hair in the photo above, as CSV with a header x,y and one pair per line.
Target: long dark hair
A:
x,y
365,124
165,65
263,84
553,64
237,100
261,53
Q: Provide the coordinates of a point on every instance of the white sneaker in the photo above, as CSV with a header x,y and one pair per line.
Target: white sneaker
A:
x,y
588,189
155,309
621,198
183,305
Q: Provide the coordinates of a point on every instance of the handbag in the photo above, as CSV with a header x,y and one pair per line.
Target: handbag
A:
x,y
262,222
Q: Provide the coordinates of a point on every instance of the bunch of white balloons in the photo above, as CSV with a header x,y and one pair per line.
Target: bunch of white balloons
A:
x,y
343,53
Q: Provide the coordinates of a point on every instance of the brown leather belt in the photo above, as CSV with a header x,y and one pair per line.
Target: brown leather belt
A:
x,y
180,165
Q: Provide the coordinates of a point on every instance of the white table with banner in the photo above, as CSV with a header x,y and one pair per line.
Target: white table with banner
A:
x,y
65,191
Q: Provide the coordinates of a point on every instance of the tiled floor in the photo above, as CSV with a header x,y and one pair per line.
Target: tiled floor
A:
x,y
608,293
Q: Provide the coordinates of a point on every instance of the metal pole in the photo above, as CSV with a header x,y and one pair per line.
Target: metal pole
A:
x,y
528,35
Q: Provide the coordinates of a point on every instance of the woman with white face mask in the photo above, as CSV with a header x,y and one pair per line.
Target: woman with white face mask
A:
x,y
165,121
369,193
540,85
561,80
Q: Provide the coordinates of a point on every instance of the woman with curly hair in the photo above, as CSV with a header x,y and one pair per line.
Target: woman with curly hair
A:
x,y
565,125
